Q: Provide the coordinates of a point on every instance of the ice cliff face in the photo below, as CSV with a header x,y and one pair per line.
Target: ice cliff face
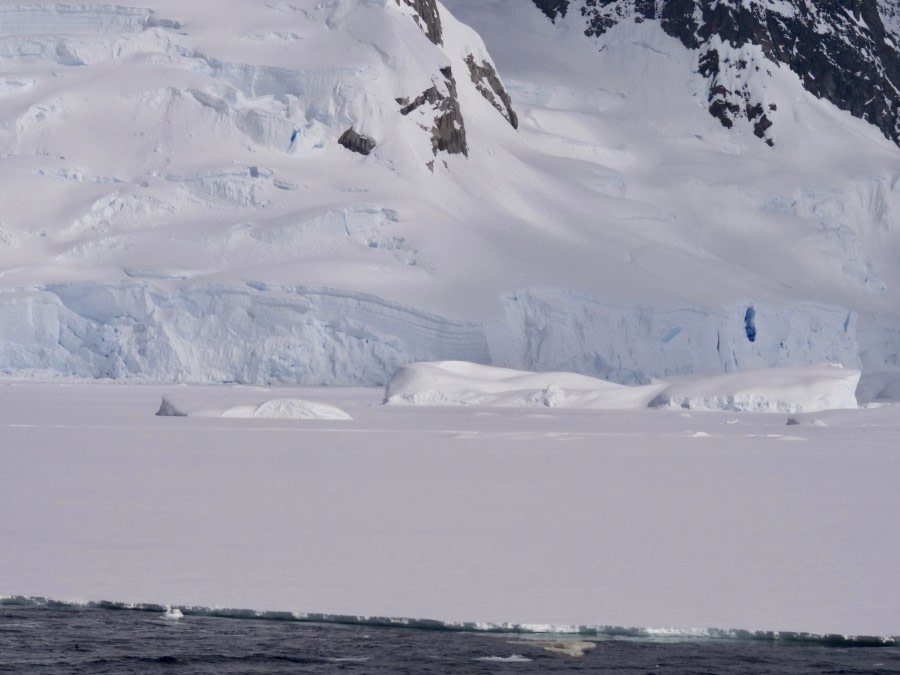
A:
x,y
262,334
844,52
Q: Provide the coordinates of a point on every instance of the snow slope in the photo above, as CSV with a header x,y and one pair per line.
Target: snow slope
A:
x,y
175,203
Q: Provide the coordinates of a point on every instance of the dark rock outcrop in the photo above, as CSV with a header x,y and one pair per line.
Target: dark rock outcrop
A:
x,y
448,130
727,105
840,49
487,82
428,17
356,143
553,8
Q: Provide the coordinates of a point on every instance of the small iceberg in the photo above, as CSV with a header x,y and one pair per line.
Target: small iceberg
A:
x,y
173,614
208,404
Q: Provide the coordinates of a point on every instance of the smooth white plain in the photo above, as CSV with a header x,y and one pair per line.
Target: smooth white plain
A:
x,y
654,518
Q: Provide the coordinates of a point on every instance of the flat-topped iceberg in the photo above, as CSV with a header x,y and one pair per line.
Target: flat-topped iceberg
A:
x,y
793,390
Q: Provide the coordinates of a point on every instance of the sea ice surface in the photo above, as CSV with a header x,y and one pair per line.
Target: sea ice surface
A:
x,y
549,517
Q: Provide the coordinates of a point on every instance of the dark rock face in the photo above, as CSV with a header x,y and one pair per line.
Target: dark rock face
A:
x,y
448,130
428,18
356,143
841,50
487,82
727,105
553,8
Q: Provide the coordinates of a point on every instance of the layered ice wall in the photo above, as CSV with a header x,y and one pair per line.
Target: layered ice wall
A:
x,y
262,334
632,344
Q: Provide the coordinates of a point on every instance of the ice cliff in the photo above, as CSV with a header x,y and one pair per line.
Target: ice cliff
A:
x,y
263,334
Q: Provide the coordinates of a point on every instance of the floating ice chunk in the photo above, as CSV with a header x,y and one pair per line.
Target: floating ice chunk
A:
x,y
575,648
275,408
173,614
790,390
513,658
289,408
796,421
463,383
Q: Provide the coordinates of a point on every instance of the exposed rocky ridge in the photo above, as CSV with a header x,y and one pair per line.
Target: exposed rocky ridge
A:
x,y
428,17
844,51
448,132
488,83
732,97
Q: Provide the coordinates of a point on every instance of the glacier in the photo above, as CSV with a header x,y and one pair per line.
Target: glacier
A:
x,y
209,226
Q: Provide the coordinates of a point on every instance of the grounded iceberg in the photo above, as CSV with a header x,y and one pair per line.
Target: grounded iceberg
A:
x,y
793,390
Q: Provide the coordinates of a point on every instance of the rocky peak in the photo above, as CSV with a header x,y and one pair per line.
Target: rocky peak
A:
x,y
845,51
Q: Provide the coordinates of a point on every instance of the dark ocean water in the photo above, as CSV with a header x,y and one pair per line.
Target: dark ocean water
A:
x,y
56,638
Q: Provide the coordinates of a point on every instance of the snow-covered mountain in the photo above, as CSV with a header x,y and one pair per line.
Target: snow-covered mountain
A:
x,y
322,191
844,52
